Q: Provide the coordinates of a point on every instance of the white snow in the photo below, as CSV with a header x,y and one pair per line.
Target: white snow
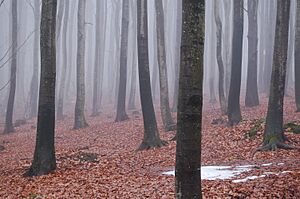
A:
x,y
218,172
228,172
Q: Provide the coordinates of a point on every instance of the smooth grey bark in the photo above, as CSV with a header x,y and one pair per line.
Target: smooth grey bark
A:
x,y
121,110
99,56
151,135
80,121
252,89
168,122
269,46
219,31
34,84
60,104
227,5
189,115
273,134
44,160
13,70
177,53
212,67
297,59
234,111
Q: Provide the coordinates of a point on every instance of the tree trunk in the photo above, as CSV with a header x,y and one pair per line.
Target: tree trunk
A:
x,y
121,111
297,59
13,70
80,121
162,64
34,85
234,111
273,134
99,57
60,104
131,101
222,99
251,90
189,115
44,160
177,53
151,136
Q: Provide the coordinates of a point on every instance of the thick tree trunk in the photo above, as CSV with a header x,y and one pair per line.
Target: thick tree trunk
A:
x,y
60,104
273,134
151,135
188,149
177,53
162,64
80,121
252,90
234,111
121,111
44,160
297,59
222,99
34,85
13,70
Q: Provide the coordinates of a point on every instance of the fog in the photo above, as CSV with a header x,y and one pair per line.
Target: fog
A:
x,y
110,26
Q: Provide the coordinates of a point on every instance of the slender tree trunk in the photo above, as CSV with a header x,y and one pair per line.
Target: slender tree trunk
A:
x,y
98,66
188,148
80,121
60,104
297,59
227,43
222,99
13,70
273,134
252,90
151,136
162,64
234,111
121,110
177,53
34,85
44,160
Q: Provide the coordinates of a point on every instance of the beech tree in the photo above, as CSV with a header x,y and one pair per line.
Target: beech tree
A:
x,y
13,69
273,135
234,111
297,58
61,94
162,65
151,135
121,111
189,115
44,160
219,31
34,85
252,90
80,121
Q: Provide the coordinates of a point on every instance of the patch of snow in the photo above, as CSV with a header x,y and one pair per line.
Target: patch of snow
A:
x,y
261,176
218,172
268,164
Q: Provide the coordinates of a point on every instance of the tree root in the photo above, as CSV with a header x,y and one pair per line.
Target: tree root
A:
x,y
147,146
273,146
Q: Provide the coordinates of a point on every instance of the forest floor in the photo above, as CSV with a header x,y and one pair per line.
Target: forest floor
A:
x,y
101,161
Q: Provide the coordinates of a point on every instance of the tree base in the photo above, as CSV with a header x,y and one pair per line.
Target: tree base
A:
x,y
121,117
37,172
170,127
80,126
8,129
95,114
147,145
273,146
